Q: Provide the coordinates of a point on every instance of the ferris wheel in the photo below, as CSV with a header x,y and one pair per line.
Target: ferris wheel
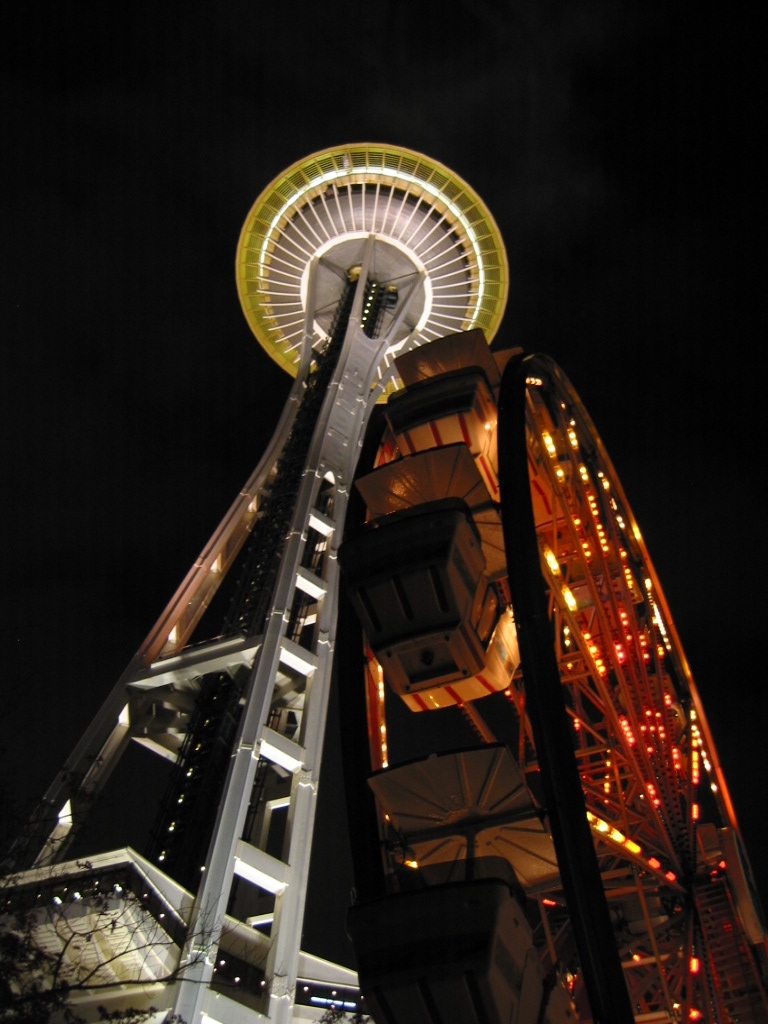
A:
x,y
459,716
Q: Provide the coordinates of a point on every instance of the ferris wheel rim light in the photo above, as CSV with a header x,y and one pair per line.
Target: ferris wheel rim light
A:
x,y
446,195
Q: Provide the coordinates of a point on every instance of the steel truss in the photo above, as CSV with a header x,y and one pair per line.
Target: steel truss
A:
x,y
656,797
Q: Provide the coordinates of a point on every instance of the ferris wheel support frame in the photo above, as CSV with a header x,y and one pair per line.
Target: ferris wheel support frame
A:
x,y
565,804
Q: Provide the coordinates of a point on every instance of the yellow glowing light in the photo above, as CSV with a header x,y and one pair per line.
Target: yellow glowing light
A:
x,y
368,166
551,561
613,834
570,600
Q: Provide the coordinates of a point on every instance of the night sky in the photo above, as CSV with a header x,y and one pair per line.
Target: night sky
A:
x,y
617,147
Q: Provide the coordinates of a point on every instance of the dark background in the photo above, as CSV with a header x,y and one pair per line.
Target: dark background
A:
x,y
616,144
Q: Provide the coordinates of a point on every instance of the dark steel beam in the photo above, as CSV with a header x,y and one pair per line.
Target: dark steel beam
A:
x,y
565,804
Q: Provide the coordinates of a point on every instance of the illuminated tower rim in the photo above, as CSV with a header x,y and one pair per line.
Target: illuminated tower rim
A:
x,y
465,213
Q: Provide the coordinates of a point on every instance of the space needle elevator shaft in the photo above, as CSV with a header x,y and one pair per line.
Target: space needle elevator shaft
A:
x,y
353,352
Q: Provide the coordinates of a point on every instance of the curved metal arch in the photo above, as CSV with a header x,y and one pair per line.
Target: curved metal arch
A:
x,y
566,807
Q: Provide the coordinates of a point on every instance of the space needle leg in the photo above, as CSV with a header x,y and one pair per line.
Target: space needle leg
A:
x,y
332,458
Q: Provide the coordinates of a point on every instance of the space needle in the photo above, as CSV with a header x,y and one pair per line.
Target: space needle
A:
x,y
349,257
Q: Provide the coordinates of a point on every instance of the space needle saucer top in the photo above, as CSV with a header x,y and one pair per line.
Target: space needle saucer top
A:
x,y
432,234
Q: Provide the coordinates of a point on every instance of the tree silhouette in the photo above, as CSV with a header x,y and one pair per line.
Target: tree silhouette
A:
x,y
67,936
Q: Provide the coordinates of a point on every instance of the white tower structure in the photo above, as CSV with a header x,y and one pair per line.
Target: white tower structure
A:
x,y
351,257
